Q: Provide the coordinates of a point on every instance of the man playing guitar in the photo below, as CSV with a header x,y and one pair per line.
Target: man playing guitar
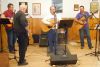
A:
x,y
50,24
82,20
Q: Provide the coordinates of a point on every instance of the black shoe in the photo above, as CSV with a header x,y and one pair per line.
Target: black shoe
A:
x,y
22,63
82,47
12,52
49,54
98,52
91,47
15,50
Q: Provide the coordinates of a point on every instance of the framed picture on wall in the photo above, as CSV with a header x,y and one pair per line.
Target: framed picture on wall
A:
x,y
94,0
76,7
24,3
94,7
36,8
59,5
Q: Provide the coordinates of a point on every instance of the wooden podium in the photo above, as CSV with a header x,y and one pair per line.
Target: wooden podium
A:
x,y
4,57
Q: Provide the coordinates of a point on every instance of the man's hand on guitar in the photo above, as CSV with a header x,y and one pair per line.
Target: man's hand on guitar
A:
x,y
11,20
81,22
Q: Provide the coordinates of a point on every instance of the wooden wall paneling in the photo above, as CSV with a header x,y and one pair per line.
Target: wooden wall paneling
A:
x,y
36,29
73,33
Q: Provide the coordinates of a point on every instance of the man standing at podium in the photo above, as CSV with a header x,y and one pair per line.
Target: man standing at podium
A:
x,y
3,38
9,28
82,19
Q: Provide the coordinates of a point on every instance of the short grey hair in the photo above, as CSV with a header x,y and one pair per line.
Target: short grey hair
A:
x,y
52,6
22,7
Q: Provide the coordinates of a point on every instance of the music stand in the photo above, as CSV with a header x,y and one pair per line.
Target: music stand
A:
x,y
65,24
3,21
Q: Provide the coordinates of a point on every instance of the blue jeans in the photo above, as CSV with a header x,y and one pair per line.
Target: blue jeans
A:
x,y
86,31
52,40
11,39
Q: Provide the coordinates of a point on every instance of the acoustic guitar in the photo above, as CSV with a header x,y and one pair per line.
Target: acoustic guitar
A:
x,y
46,28
81,23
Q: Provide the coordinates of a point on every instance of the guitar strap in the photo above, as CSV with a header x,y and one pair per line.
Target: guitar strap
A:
x,y
55,20
84,14
86,17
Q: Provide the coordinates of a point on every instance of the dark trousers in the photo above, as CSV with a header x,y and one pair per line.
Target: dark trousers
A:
x,y
52,40
85,30
23,42
11,39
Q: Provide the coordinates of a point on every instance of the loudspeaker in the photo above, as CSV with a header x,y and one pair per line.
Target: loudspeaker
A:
x,y
63,59
43,40
35,38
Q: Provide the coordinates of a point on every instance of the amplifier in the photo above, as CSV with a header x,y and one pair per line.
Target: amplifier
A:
x,y
43,40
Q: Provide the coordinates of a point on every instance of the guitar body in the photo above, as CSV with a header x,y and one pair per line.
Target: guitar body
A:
x,y
81,23
9,25
45,27
79,26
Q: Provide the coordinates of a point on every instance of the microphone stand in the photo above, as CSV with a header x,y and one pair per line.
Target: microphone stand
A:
x,y
55,45
97,30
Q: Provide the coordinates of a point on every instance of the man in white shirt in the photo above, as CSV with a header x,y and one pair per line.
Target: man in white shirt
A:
x,y
51,21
